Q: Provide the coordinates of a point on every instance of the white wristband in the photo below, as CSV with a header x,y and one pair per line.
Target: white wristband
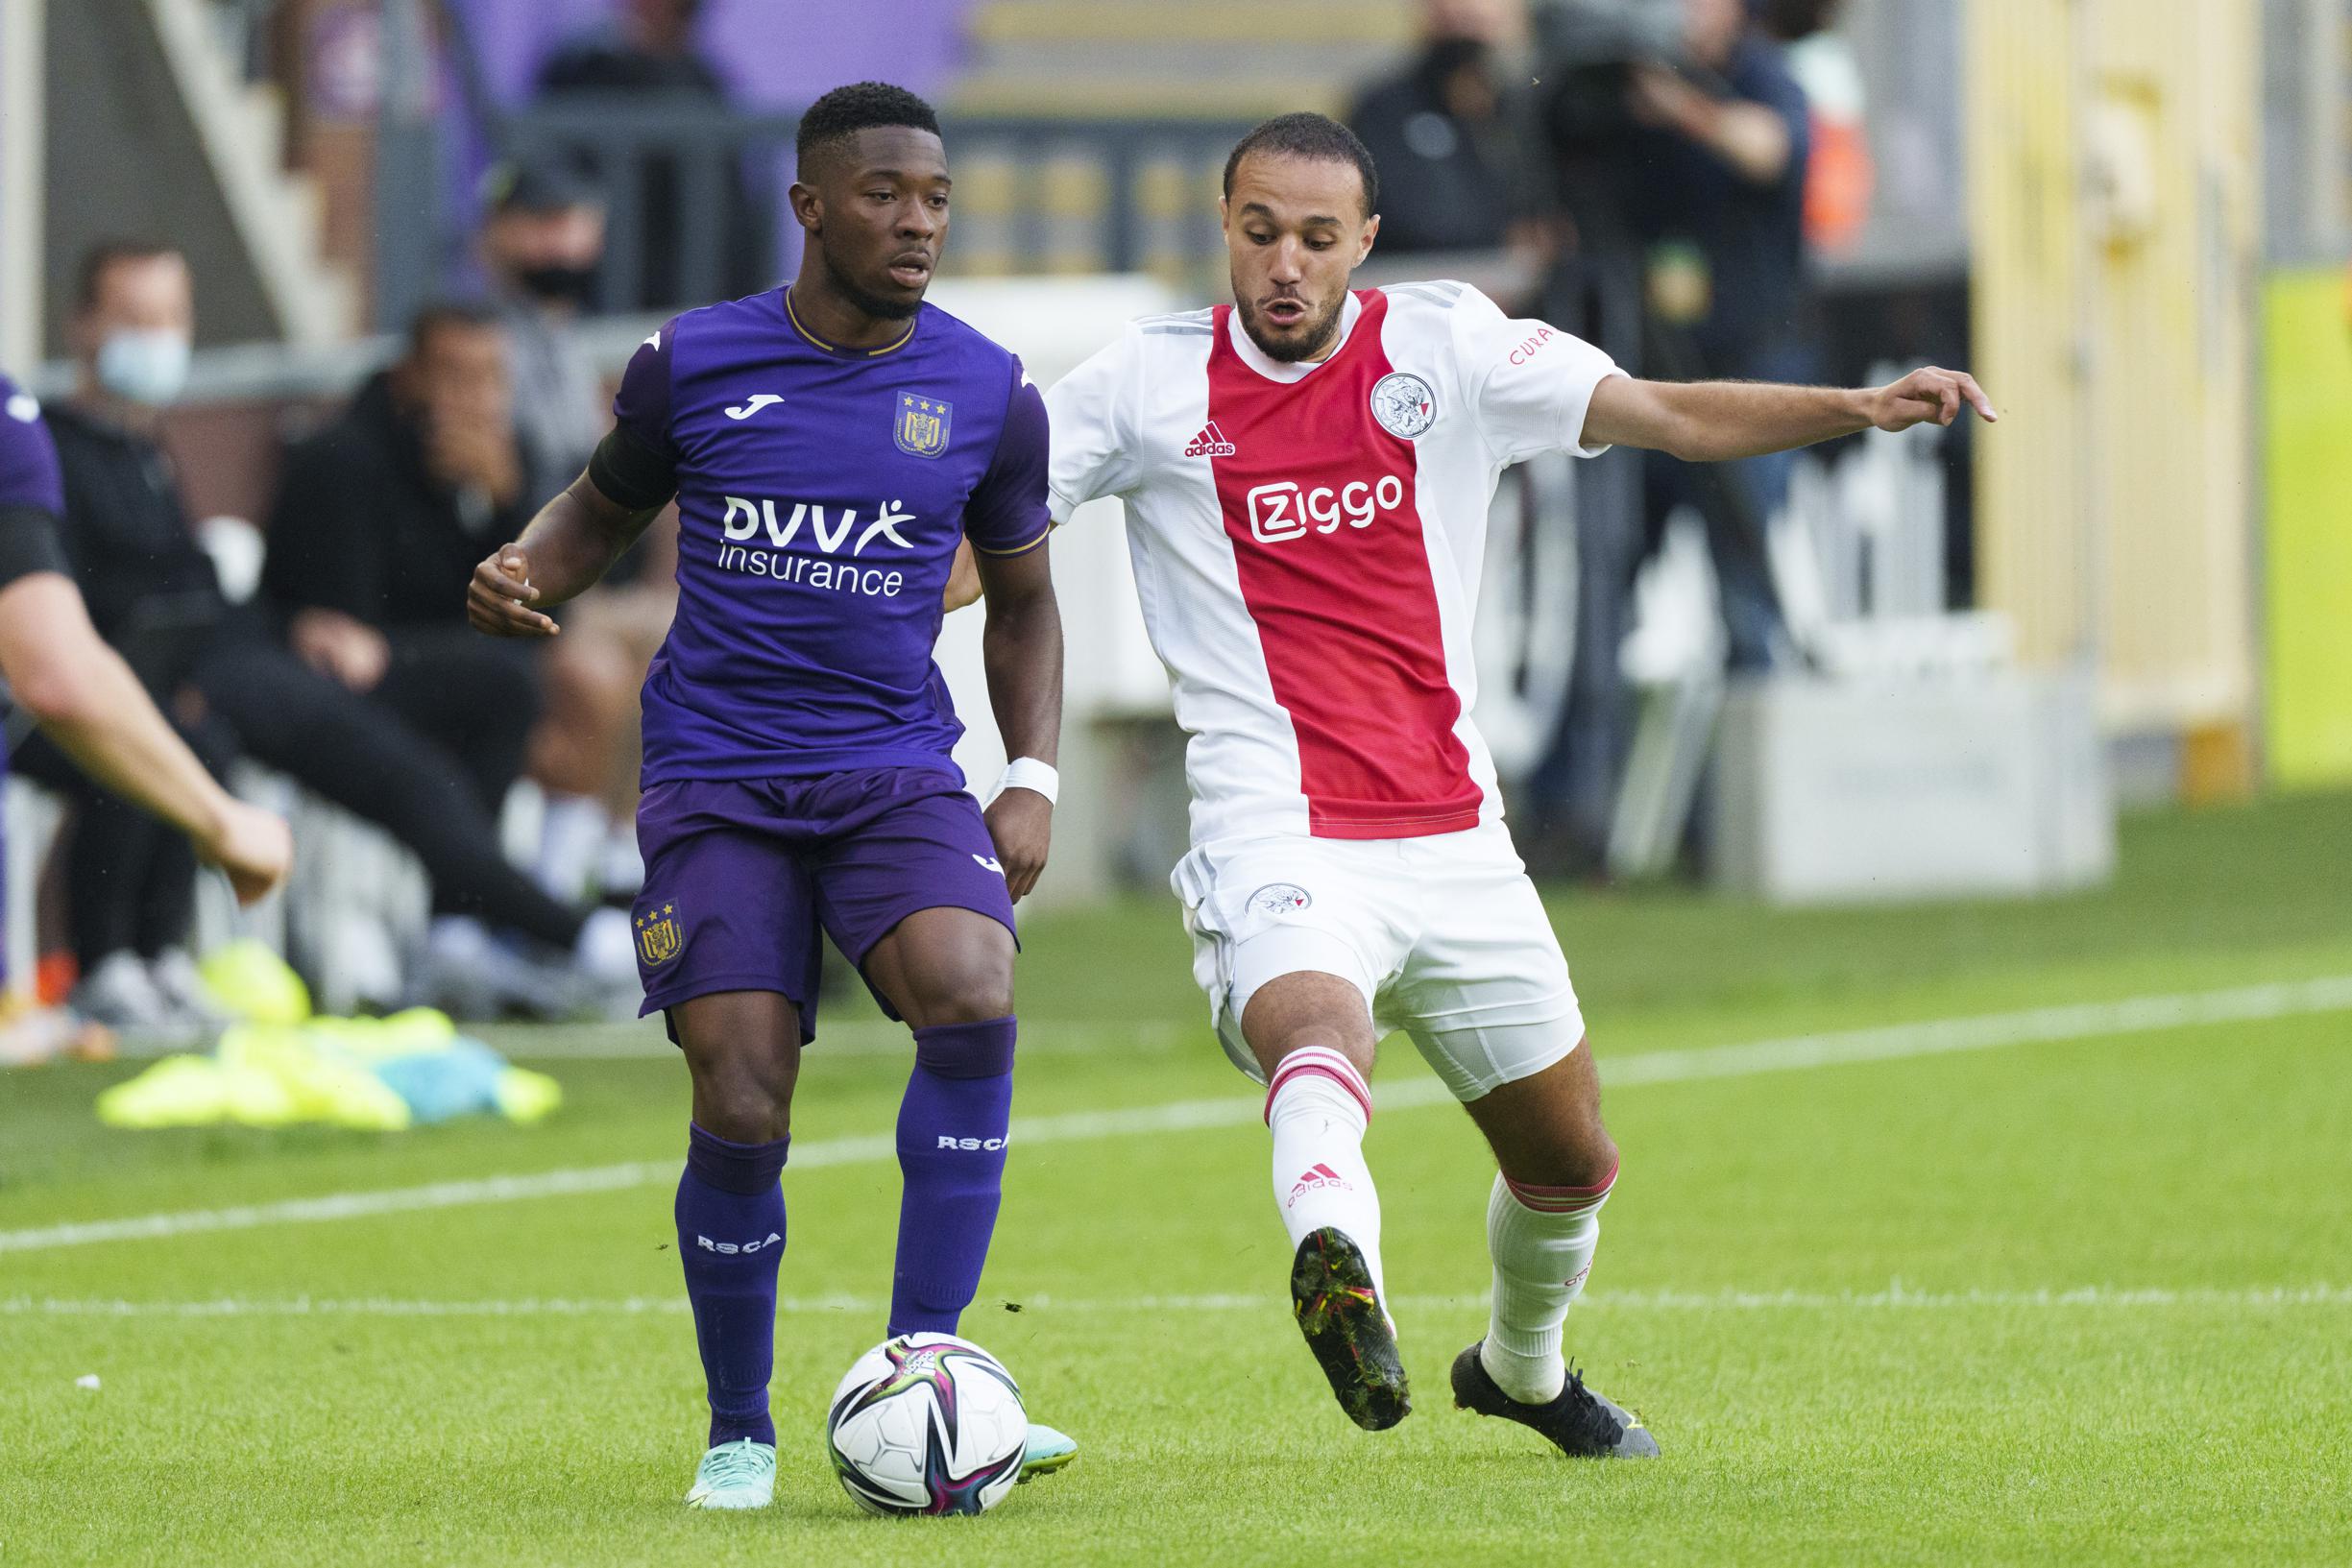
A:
x,y
1028,773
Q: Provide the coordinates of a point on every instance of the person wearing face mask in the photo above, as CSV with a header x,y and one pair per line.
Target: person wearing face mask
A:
x,y
541,240
344,710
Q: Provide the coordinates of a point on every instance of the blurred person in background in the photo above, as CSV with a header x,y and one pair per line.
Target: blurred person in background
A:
x,y
542,242
88,705
1839,174
1444,133
237,688
374,515
650,52
377,523
1681,144
1709,172
540,246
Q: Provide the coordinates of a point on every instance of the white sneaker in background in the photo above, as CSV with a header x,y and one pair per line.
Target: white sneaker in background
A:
x,y
468,972
184,991
606,952
571,832
119,993
620,871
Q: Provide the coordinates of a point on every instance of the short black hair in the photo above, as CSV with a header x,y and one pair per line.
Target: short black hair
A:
x,y
861,105
1311,137
103,257
441,315
537,184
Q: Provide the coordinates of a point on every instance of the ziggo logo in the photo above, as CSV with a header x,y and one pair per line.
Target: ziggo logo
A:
x,y
1285,510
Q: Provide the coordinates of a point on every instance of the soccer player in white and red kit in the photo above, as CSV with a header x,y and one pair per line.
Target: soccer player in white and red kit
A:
x,y
1307,476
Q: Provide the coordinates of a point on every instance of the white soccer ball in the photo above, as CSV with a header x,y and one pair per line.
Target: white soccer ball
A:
x,y
927,1423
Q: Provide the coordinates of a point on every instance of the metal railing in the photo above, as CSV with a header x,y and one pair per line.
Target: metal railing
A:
x,y
703,151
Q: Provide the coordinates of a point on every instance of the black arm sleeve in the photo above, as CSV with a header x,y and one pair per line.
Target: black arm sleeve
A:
x,y
628,472
29,543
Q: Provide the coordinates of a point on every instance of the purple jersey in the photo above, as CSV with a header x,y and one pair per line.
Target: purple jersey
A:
x,y
821,493
27,458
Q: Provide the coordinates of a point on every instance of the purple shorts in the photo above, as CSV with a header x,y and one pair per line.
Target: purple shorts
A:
x,y
740,876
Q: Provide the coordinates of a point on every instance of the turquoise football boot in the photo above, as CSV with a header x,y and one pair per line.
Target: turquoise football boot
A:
x,y
1048,1450
736,1475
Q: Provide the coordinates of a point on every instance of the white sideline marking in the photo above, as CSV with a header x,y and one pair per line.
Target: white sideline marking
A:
x,y
1896,1297
2133,1015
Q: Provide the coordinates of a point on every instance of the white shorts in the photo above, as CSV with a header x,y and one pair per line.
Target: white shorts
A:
x,y
1444,936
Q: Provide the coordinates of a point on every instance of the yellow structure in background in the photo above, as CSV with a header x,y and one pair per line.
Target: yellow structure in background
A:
x,y
2114,209
2306,547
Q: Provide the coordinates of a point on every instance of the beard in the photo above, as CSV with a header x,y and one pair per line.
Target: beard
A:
x,y
1312,336
879,306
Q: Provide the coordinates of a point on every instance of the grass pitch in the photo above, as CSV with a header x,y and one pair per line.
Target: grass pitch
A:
x,y
2082,1297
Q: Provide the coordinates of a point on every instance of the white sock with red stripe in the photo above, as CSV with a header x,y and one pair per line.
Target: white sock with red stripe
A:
x,y
1316,1107
1541,1240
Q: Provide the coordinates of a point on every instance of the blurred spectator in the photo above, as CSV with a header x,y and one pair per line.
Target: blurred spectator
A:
x,y
540,246
379,513
237,688
650,52
1839,171
1443,135
1709,177
543,239
378,521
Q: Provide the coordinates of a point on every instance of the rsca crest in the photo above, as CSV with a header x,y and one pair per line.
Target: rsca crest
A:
x,y
1403,405
923,423
659,935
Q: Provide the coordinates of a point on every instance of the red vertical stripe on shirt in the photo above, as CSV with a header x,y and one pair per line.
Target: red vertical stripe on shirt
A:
x,y
1320,504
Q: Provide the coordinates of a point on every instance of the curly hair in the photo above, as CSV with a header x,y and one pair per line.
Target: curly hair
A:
x,y
844,111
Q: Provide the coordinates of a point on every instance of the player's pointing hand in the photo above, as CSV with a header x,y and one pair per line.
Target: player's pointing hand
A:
x,y
1929,394
499,599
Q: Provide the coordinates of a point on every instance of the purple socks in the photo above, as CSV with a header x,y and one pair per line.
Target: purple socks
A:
x,y
731,1238
951,1151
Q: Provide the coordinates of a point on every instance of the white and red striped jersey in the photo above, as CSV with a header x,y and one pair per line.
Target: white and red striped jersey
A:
x,y
1307,540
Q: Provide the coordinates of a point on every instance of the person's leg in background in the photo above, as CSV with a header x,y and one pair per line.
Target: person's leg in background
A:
x,y
586,750
576,749
359,754
477,696
1738,501
117,857
1574,789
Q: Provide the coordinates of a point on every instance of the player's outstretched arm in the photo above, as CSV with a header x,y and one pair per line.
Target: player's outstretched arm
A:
x,y
566,551
1021,651
1707,421
87,701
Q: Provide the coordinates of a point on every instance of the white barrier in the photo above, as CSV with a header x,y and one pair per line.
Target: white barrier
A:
x,y
1903,787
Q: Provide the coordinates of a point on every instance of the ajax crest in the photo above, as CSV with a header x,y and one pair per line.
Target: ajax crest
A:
x,y
923,423
1403,405
659,935
1280,898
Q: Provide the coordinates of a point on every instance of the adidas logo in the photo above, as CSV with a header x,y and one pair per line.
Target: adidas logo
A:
x,y
1315,1177
1210,443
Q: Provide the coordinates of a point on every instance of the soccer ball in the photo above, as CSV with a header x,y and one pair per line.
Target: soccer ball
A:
x,y
927,1423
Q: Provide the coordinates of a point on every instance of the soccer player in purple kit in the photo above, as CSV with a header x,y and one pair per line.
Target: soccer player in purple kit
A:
x,y
829,444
